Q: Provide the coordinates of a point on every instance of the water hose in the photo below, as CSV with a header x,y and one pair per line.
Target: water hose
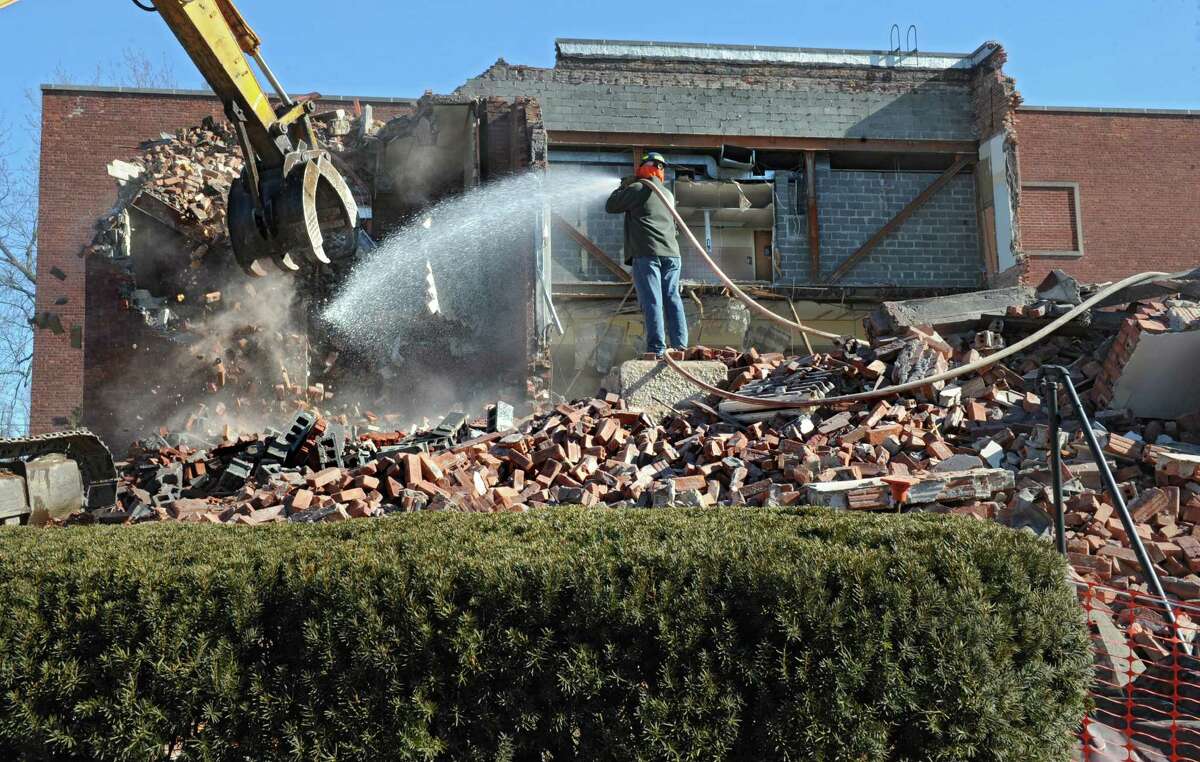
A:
x,y
886,391
741,295
962,370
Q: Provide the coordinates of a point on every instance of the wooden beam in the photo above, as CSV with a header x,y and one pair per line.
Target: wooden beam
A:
x,y
590,246
814,225
581,138
895,222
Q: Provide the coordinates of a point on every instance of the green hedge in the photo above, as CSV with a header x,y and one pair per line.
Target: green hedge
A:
x,y
563,634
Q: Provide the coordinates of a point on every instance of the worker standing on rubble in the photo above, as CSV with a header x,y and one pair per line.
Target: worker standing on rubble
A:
x,y
651,248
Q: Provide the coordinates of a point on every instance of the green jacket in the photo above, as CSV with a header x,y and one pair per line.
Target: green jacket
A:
x,y
649,226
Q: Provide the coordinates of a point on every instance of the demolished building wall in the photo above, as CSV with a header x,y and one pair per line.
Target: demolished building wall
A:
x,y
83,130
875,129
157,330
602,99
74,190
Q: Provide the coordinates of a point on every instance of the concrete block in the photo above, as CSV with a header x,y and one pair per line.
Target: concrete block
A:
x,y
13,503
1149,384
654,387
55,488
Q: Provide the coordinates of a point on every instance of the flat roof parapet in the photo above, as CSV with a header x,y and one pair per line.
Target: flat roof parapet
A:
x,y
762,54
1101,110
203,93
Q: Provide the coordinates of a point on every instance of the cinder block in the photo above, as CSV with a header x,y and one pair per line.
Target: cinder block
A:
x,y
655,388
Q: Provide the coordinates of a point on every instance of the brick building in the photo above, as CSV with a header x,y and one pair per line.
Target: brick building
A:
x,y
1107,193
824,179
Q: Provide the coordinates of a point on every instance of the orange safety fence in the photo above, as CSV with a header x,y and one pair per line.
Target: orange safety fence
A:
x,y
1146,689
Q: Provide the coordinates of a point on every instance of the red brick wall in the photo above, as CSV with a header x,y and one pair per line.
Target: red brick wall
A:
x,y
1138,177
82,131
1048,219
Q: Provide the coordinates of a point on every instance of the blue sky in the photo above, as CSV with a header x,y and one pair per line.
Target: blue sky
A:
x,y
1137,53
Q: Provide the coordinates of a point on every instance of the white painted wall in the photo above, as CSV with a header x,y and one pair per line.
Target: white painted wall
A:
x,y
992,151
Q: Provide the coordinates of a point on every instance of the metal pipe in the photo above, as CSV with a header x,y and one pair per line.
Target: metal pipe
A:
x,y
550,303
270,75
708,231
568,156
1110,483
1060,526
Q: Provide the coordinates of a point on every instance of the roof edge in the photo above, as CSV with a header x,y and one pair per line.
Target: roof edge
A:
x,y
892,59
1113,110
53,88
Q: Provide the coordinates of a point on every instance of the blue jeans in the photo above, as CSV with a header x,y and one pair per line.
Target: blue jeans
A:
x,y
657,282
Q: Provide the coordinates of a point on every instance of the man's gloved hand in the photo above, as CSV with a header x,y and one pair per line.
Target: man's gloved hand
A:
x,y
628,180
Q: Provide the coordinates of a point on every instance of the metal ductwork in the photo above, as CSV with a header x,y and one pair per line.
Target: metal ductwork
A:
x,y
736,157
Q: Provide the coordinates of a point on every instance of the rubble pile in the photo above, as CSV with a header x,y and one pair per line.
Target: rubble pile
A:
x,y
181,179
976,446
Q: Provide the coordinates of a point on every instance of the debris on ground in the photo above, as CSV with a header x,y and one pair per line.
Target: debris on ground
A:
x,y
975,446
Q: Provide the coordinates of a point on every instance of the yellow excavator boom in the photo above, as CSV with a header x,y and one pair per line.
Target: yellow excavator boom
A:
x,y
204,31
291,205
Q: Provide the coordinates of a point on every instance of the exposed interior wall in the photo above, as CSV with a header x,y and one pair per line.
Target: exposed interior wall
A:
x,y
571,262
937,247
1137,183
732,228
996,205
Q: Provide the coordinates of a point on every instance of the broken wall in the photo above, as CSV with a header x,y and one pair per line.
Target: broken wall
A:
x,y
994,103
589,91
107,359
83,129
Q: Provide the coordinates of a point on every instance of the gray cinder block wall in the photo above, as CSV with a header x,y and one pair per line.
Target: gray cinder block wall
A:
x,y
606,230
938,246
731,100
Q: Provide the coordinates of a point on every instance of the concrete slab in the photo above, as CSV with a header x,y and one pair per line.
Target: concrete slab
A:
x,y
655,388
951,312
976,484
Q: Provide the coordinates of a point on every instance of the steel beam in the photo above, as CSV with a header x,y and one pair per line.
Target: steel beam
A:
x,y
584,139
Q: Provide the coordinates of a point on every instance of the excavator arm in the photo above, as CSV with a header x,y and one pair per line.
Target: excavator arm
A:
x,y
291,204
